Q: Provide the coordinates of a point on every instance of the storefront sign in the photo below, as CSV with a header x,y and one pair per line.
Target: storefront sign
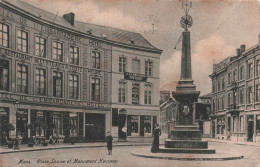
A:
x,y
135,77
40,61
51,101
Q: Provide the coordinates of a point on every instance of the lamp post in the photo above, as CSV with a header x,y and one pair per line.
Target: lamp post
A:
x,y
16,107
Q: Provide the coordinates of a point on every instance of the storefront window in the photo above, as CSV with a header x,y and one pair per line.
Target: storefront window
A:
x,y
57,124
147,124
73,124
134,124
3,120
257,124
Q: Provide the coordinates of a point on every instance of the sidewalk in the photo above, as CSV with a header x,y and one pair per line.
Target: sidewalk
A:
x,y
231,142
24,147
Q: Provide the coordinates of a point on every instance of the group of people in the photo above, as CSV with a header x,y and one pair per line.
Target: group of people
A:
x,y
155,146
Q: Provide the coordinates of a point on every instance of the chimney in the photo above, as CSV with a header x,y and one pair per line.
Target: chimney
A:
x,y
69,17
238,52
242,48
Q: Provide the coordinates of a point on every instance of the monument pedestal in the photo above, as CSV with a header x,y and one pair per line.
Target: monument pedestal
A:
x,y
186,139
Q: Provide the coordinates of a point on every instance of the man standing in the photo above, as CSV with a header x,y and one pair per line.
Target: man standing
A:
x,y
109,140
156,134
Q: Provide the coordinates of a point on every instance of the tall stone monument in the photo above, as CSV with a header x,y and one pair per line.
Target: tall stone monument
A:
x,y
186,136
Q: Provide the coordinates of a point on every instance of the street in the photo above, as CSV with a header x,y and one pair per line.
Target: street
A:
x,y
97,156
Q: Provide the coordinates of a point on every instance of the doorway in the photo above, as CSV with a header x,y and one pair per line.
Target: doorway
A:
x,y
95,127
250,128
21,125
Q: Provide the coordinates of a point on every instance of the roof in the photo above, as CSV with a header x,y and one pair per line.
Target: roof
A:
x,y
109,33
209,95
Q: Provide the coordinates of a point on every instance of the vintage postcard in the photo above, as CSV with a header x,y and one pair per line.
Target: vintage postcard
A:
x,y
132,83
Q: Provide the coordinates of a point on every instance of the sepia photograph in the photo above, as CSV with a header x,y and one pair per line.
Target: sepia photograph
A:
x,y
133,83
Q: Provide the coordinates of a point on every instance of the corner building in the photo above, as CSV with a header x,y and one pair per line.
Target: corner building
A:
x,y
235,96
56,73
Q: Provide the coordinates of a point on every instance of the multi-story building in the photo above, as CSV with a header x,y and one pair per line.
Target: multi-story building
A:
x,y
135,89
235,96
56,75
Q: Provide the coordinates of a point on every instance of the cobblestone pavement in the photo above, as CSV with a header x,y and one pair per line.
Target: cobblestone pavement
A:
x,y
97,156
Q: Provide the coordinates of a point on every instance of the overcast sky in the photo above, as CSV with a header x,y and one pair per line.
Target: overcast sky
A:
x,y
219,27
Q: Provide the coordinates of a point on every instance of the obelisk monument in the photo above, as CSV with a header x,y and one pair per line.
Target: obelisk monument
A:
x,y
186,136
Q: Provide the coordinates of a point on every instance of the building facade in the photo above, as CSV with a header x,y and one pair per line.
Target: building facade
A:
x,y
56,76
235,96
135,97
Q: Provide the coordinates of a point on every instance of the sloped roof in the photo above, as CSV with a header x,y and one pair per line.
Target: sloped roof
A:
x,y
169,87
111,34
209,95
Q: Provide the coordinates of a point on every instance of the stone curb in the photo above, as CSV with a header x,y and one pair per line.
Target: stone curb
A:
x,y
71,147
187,159
245,144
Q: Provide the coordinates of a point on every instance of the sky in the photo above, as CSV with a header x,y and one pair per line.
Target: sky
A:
x,y
219,28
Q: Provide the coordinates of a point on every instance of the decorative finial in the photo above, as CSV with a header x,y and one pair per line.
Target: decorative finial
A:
x,y
186,21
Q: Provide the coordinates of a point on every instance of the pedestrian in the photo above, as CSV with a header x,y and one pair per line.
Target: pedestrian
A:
x,y
156,134
109,140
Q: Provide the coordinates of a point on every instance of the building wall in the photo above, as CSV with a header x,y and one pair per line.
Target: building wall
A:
x,y
140,109
244,125
47,102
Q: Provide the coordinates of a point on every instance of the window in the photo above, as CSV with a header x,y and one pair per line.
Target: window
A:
x,y
57,84
95,59
241,72
135,93
4,75
223,83
219,85
122,64
73,86
213,87
257,67
40,81
136,66
250,70
234,75
40,46
242,96
148,68
22,78
257,88
122,92
222,102
134,123
74,55
57,51
218,103
229,98
148,94
73,124
95,89
4,35
250,94
229,78
22,41
214,105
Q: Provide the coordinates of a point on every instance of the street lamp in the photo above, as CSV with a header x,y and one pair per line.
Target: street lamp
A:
x,y
16,107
